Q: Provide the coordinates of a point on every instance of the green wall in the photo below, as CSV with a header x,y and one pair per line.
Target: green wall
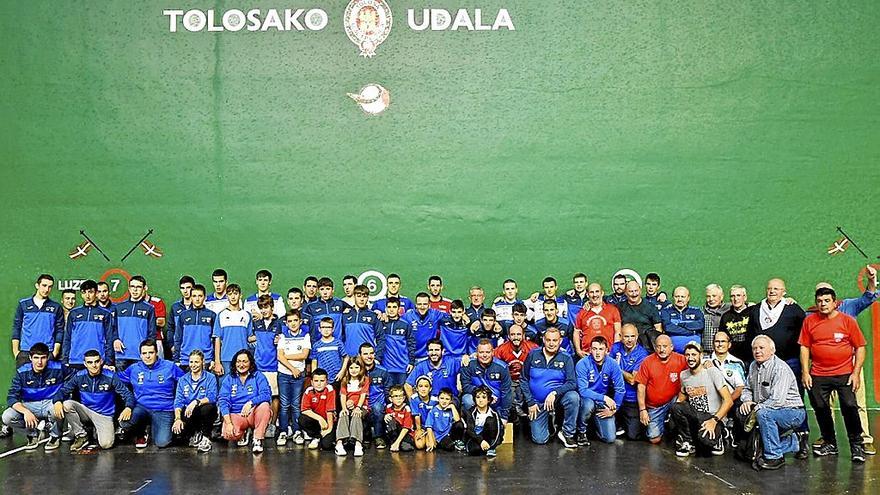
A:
x,y
709,141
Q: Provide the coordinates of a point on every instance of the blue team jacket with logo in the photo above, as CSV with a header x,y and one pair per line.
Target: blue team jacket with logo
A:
x,y
495,376
194,329
33,324
234,394
443,376
189,389
595,382
88,327
97,393
540,377
135,322
359,326
424,328
396,346
153,386
30,386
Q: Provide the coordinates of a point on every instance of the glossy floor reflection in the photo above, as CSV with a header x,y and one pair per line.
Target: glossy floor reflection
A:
x,y
625,467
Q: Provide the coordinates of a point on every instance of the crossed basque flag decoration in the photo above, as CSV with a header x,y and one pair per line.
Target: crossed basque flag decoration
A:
x,y
82,249
843,243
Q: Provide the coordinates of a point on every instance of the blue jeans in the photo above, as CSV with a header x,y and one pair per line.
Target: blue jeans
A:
x,y
377,419
42,409
606,428
657,419
290,395
773,422
160,423
540,427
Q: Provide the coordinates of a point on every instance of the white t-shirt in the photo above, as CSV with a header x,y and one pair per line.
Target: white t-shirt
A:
x,y
294,345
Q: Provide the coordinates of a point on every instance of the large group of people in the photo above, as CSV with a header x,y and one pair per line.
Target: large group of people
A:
x,y
346,373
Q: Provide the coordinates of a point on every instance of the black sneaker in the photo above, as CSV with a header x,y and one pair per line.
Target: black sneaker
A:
x,y
825,449
771,464
569,442
685,449
803,440
858,452
718,448
581,439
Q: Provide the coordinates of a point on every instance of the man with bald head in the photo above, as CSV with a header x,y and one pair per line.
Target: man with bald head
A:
x,y
771,394
642,314
596,319
779,321
682,322
658,386
713,310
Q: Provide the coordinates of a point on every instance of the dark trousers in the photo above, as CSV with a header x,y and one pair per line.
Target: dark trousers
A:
x,y
489,434
448,442
687,421
819,394
628,419
392,431
202,420
313,429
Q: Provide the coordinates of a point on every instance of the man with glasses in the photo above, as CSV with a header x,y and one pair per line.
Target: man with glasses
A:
x,y
135,322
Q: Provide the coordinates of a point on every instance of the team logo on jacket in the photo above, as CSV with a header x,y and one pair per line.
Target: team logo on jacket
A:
x,y
140,379
673,376
367,24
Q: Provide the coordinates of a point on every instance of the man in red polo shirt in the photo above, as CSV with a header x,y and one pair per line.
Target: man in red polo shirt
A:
x,y
829,340
658,386
514,352
596,319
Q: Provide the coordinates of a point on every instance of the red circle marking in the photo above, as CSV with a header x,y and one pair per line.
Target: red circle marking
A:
x,y
124,274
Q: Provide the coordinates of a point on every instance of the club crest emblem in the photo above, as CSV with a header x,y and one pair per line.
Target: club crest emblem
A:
x,y
367,24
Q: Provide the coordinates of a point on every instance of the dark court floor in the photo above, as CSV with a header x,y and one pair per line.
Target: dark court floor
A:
x,y
625,467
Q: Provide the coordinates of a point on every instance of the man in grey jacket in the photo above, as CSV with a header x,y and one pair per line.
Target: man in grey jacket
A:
x,y
771,393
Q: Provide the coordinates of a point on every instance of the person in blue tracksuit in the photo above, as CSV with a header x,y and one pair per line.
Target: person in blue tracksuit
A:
x,y
629,354
379,388
185,285
393,291
154,383
490,372
244,400
360,325
135,322
455,332
195,403
600,384
88,327
552,319
89,396
425,324
37,319
194,329
576,298
29,401
442,370
548,382
681,322
395,344
326,306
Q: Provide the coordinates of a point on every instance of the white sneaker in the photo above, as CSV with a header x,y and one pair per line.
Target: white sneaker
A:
x,y
313,443
358,450
245,439
258,446
340,450
282,439
205,445
195,440
298,438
